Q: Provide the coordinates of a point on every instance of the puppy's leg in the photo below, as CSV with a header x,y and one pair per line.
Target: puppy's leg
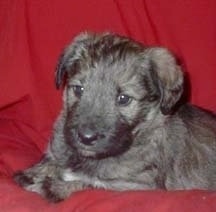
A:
x,y
56,190
45,178
32,179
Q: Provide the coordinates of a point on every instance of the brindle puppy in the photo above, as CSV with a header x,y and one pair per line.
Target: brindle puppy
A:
x,y
120,127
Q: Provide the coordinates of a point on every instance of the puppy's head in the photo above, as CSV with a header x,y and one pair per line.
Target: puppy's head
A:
x,y
112,84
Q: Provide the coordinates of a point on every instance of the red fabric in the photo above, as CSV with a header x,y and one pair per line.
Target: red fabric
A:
x,y
32,34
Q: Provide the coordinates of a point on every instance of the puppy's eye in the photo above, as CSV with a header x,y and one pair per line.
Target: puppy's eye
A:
x,y
123,100
78,90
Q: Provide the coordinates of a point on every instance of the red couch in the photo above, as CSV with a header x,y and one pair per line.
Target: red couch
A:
x,y
32,34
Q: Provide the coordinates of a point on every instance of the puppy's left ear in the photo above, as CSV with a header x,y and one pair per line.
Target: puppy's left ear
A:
x,y
169,74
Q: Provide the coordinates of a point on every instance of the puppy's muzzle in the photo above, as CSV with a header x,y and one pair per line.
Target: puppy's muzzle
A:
x,y
87,136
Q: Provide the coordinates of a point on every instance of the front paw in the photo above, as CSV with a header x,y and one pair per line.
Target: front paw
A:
x,y
23,179
50,193
28,181
55,190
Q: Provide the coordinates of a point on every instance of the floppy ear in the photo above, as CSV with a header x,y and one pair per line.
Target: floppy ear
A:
x,y
69,59
60,71
169,74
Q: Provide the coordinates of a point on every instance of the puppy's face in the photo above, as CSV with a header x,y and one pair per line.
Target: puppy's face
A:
x,y
112,85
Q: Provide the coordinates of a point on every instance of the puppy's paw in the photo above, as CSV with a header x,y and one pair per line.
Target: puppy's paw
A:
x,y
55,189
23,179
49,191
29,181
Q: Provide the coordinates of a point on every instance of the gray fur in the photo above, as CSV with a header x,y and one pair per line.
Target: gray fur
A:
x,y
150,142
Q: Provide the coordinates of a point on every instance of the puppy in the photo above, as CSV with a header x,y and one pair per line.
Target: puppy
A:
x,y
122,126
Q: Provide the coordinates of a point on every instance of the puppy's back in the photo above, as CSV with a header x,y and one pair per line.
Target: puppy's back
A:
x,y
201,122
194,152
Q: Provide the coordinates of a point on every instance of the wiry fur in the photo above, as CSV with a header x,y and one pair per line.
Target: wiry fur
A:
x,y
150,143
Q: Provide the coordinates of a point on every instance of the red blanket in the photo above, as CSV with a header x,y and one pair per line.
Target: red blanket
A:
x,y
32,34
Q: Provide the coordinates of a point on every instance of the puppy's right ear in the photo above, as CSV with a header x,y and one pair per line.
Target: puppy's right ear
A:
x,y
60,71
69,59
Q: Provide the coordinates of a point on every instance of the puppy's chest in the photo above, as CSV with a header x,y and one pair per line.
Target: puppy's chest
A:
x,y
107,183
113,175
94,181
90,172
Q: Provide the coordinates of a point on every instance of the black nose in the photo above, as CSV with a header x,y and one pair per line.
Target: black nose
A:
x,y
87,136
